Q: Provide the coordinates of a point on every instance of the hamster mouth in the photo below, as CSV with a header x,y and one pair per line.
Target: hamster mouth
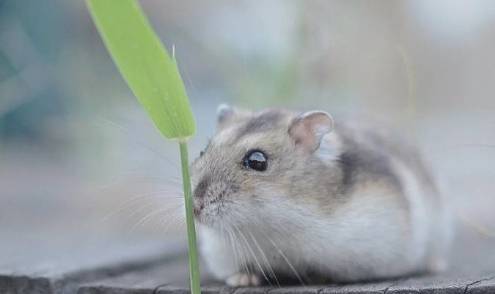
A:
x,y
209,200
200,205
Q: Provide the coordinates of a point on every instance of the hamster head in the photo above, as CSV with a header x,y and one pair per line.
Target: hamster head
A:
x,y
256,164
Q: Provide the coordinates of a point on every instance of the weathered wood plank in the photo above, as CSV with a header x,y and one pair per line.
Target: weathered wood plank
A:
x,y
482,286
55,268
154,267
163,277
472,271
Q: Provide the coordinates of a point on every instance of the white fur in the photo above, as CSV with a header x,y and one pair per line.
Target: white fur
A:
x,y
258,227
366,238
420,220
330,148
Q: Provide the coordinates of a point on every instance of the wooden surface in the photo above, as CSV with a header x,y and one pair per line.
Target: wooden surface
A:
x,y
123,267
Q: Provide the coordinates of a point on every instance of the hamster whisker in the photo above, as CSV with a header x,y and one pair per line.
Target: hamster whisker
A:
x,y
240,261
140,143
263,255
282,254
139,172
158,179
174,218
158,194
293,269
143,220
242,250
165,182
254,256
170,218
226,235
150,215
143,208
130,202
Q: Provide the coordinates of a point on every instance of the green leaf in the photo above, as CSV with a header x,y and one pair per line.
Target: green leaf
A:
x,y
145,64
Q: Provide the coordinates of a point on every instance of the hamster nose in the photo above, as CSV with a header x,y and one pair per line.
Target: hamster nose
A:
x,y
197,208
201,188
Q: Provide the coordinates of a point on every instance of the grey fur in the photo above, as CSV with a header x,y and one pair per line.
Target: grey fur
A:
x,y
304,190
201,188
364,162
262,122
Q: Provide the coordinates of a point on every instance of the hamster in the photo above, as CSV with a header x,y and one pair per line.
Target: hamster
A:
x,y
280,195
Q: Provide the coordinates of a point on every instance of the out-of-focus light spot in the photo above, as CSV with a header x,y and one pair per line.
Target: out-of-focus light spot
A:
x,y
250,28
454,19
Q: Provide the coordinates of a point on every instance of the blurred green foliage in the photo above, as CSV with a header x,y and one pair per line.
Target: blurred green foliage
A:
x,y
31,35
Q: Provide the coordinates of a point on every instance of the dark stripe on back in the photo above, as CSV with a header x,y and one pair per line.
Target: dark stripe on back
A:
x,y
348,164
367,165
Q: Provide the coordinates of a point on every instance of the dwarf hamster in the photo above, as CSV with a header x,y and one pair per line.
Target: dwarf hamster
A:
x,y
285,194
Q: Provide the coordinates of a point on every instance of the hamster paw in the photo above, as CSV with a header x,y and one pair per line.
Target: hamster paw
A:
x,y
243,280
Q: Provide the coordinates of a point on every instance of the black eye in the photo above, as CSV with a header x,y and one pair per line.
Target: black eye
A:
x,y
201,153
255,160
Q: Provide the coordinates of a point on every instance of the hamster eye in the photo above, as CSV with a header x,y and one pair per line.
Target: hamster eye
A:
x,y
255,160
201,153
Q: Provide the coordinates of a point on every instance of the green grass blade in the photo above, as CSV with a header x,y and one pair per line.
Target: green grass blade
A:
x,y
155,80
191,230
145,64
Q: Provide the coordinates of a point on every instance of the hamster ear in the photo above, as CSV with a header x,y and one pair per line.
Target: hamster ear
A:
x,y
224,113
308,129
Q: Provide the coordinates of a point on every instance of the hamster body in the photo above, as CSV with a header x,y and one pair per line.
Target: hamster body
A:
x,y
279,194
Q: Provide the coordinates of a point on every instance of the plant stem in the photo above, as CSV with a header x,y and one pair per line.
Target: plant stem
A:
x,y
191,231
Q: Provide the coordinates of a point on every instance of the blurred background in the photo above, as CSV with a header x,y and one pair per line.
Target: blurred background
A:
x,y
78,156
